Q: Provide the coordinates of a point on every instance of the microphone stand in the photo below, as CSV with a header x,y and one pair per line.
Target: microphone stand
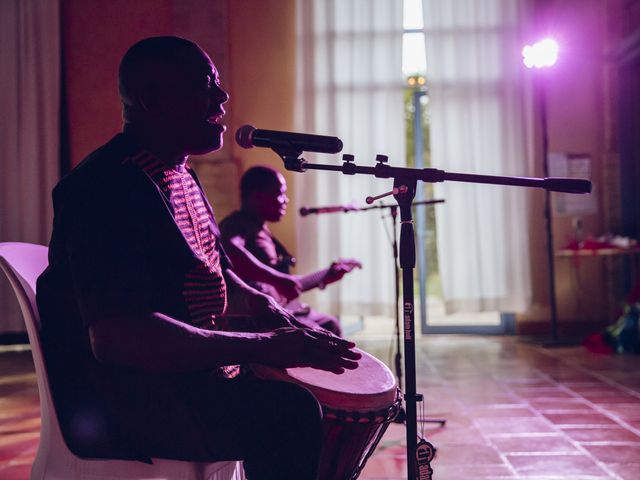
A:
x,y
393,209
402,415
419,454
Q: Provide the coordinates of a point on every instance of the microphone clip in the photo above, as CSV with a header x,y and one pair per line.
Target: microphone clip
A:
x,y
291,158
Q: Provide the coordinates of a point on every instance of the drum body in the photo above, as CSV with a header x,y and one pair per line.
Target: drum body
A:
x,y
358,405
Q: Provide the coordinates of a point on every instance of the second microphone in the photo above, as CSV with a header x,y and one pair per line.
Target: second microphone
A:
x,y
304,211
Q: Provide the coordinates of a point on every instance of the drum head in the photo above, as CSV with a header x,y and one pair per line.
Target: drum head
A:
x,y
369,387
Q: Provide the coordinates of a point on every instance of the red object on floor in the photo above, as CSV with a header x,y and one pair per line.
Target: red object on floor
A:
x,y
595,343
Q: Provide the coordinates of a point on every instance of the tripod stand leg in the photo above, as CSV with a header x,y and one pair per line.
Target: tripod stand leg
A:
x,y
402,417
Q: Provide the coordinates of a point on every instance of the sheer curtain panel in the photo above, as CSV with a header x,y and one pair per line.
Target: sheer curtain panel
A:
x,y
29,137
349,84
479,124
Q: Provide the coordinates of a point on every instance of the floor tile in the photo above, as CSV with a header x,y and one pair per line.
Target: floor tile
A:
x,y
513,425
557,465
452,454
603,434
625,411
533,443
626,471
554,404
498,411
619,452
578,418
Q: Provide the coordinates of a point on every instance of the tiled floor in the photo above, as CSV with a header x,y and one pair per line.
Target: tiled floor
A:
x,y
513,410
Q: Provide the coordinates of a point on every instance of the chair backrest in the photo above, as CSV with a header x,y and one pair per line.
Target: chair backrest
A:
x,y
23,263
27,259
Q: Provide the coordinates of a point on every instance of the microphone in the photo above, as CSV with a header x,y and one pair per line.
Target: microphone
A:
x,y
330,209
248,136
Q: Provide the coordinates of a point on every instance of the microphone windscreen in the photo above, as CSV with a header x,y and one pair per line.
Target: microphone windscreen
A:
x,y
244,136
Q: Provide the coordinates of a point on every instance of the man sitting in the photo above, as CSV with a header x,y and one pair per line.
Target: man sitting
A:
x,y
259,258
137,287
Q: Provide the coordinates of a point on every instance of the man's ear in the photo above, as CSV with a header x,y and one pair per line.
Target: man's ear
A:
x,y
257,197
151,101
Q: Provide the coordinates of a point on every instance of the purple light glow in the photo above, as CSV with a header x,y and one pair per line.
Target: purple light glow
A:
x,y
541,54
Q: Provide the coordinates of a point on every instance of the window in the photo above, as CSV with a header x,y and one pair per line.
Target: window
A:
x,y
416,103
417,123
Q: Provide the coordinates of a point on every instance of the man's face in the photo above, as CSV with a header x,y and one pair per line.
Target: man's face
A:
x,y
273,201
192,104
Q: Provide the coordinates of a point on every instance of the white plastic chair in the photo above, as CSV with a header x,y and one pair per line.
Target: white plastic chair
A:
x,y
23,263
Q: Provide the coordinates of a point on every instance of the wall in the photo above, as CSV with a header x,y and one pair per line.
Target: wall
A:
x,y
579,106
96,34
262,53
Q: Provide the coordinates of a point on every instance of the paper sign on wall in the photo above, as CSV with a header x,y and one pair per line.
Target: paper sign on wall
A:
x,y
572,166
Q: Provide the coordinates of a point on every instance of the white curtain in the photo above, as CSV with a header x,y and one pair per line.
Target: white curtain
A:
x,y
349,84
478,110
29,137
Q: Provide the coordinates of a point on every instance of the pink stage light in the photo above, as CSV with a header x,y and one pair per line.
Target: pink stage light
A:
x,y
541,54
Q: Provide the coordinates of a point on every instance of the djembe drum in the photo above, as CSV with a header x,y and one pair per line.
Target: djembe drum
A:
x,y
358,405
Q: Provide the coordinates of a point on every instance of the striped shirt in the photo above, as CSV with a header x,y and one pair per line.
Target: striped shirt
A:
x,y
204,289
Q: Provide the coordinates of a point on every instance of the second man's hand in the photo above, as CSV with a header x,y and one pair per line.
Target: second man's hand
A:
x,y
288,286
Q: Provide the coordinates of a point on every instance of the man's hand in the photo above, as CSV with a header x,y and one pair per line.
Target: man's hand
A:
x,y
289,347
339,269
287,286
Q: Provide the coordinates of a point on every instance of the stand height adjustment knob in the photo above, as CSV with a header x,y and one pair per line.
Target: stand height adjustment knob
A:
x,y
382,158
348,167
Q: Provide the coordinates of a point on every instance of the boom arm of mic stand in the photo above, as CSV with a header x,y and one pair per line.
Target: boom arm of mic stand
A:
x,y
433,175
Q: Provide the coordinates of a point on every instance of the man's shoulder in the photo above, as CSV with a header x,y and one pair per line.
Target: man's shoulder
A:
x,y
238,223
98,170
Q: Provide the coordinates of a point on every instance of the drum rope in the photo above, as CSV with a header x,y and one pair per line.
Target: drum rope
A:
x,y
376,435
422,422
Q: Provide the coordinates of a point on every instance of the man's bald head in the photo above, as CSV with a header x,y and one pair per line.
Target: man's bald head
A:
x,y
148,64
171,96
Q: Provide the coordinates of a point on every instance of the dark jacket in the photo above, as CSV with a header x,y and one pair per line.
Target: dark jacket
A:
x,y
115,248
